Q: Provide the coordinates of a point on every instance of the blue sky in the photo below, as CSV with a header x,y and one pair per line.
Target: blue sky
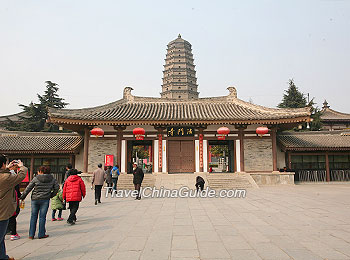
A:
x,y
92,49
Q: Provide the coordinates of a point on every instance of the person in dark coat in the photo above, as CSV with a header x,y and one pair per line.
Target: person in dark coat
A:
x,y
199,183
44,187
108,177
69,169
12,227
138,178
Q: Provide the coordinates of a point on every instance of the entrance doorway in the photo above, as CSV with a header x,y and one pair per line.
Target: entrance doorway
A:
x,y
221,156
181,156
140,152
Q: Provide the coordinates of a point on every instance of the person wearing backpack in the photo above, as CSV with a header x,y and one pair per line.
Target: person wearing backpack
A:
x,y
115,175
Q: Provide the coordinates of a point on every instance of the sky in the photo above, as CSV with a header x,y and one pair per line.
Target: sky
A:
x,y
93,49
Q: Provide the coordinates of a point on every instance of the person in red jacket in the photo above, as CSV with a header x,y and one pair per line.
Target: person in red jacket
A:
x,y
73,192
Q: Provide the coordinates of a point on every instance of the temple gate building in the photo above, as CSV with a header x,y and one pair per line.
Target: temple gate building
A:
x,y
181,128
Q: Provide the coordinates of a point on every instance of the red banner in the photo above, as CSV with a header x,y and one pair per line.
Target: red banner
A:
x,y
160,150
201,152
108,160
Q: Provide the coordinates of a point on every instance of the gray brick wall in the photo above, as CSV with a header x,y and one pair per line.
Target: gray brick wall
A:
x,y
98,148
258,155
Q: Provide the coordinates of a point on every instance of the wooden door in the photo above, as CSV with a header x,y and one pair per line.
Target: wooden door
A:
x,y
181,156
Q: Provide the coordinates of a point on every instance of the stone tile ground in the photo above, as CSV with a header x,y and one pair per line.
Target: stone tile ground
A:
x,y
294,222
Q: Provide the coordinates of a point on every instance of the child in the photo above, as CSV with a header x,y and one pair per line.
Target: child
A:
x,y
73,192
57,204
12,226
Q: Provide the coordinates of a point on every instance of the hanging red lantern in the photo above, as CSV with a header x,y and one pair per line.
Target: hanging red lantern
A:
x,y
139,133
222,133
262,130
98,132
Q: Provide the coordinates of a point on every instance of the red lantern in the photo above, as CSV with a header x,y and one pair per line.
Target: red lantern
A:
x,y
262,130
98,132
139,133
222,132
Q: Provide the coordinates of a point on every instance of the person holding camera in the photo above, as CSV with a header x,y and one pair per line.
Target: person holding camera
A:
x,y
8,202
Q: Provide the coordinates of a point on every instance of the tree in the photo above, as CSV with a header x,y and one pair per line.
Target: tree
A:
x,y
37,113
293,98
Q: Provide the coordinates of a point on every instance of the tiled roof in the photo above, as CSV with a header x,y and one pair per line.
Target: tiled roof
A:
x,y
332,115
320,140
29,142
13,117
218,109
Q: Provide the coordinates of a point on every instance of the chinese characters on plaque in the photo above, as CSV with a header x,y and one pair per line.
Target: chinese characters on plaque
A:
x,y
180,131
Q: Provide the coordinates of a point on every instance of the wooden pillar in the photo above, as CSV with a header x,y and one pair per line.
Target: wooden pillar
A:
x,y
86,149
289,166
119,147
160,149
120,130
328,172
241,144
200,149
274,148
31,170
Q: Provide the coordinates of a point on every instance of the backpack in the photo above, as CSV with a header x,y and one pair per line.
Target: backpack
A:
x,y
115,174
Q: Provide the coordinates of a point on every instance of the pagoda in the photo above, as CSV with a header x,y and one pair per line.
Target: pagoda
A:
x,y
179,75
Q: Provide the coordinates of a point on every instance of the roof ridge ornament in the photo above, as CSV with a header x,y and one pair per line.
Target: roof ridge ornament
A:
x,y
233,93
325,104
127,94
179,36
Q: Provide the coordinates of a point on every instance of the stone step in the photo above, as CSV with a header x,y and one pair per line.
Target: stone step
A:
x,y
229,181
125,181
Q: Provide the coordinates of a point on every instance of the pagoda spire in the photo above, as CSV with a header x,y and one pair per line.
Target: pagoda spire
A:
x,y
179,75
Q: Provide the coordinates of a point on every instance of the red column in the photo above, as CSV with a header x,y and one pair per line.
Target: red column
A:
x,y
241,144
209,153
31,171
201,152
160,152
274,149
328,172
86,149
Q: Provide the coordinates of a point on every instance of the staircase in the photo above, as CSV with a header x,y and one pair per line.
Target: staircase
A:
x,y
230,181
125,181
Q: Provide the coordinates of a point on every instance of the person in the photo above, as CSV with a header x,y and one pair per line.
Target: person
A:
x,y
57,204
73,192
8,204
69,169
44,187
138,178
12,226
199,183
98,179
115,175
108,177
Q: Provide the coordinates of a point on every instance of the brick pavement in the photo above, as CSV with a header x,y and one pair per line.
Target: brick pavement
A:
x,y
293,222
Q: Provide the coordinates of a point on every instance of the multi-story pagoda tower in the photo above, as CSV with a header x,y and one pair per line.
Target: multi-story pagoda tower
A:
x,y
179,75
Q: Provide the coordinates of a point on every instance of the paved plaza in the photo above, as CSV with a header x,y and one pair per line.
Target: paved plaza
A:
x,y
294,222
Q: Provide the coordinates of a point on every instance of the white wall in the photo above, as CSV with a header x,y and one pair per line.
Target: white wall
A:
x,y
155,156
196,157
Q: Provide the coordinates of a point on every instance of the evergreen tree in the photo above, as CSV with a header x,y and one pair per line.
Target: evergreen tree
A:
x,y
37,113
293,98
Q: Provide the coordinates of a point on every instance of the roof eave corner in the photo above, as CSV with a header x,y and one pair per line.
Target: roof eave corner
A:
x,y
127,94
